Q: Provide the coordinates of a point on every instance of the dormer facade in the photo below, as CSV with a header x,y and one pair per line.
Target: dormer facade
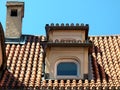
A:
x,y
67,51
15,13
69,33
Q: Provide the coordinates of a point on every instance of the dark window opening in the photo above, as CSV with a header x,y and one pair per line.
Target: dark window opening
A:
x,y
14,12
67,68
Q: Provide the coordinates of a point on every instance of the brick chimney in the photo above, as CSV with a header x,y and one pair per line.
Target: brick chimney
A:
x,y
15,13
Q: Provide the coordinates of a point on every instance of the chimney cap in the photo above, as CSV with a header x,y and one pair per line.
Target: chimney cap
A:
x,y
16,3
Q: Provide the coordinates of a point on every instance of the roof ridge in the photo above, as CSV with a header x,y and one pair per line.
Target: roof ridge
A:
x,y
104,35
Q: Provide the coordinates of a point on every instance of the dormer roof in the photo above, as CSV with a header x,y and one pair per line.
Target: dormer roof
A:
x,y
67,27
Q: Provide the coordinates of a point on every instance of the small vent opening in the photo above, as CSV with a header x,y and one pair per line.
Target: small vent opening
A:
x,y
14,12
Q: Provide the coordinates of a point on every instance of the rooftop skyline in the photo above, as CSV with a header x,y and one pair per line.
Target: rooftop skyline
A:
x,y
103,16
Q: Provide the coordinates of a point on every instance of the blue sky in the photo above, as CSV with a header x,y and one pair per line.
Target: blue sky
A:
x,y
103,16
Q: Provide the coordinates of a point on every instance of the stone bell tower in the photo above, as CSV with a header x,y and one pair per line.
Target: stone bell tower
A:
x,y
15,13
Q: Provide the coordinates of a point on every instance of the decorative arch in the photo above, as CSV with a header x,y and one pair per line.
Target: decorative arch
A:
x,y
68,40
56,40
79,41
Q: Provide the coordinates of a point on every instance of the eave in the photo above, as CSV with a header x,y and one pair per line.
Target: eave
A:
x,y
51,44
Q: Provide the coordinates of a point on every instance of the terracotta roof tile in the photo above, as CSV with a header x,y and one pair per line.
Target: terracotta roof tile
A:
x,y
24,65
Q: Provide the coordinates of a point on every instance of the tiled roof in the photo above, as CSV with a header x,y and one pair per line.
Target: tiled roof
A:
x,y
24,66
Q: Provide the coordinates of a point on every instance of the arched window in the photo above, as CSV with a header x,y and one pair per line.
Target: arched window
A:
x,y
67,68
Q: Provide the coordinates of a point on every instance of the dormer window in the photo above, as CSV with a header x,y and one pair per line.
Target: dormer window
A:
x,y
67,68
14,12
